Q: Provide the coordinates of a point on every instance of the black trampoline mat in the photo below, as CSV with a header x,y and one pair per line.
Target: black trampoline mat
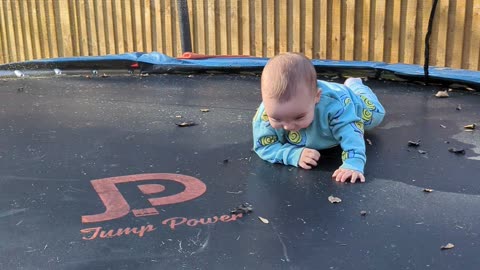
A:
x,y
58,134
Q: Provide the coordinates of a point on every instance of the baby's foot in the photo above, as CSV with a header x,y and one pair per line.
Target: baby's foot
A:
x,y
350,81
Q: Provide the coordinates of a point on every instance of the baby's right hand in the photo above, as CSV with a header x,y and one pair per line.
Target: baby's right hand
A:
x,y
308,158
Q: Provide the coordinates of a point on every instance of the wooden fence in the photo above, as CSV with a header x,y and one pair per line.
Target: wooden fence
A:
x,y
368,30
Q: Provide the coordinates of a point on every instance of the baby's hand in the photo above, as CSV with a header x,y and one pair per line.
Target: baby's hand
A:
x,y
341,175
308,158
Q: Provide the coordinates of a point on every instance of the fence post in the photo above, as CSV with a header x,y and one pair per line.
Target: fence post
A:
x,y
182,8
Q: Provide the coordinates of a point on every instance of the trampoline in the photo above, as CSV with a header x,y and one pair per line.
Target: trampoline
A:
x,y
149,166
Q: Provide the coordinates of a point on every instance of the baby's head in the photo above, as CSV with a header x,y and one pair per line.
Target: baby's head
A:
x,y
289,91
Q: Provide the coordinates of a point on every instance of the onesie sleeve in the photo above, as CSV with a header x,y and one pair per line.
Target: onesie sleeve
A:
x,y
267,142
347,128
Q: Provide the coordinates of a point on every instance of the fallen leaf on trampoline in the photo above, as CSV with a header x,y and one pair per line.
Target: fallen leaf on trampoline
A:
x,y
178,116
447,246
443,126
414,143
204,110
363,213
459,107
427,190
186,124
264,220
471,127
459,151
333,199
244,208
442,94
422,152
105,75
369,141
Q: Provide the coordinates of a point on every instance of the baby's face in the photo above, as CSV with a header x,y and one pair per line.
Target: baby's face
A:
x,y
294,114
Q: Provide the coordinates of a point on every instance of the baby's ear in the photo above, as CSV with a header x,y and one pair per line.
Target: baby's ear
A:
x,y
317,96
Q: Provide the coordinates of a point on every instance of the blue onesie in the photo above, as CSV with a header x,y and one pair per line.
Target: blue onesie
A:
x,y
341,116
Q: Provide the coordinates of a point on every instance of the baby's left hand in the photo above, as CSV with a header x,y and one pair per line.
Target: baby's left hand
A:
x,y
341,175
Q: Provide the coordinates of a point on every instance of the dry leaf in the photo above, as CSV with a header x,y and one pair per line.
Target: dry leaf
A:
x,y
422,152
447,246
264,220
244,208
459,107
105,75
204,110
363,213
459,151
178,116
414,143
368,141
442,94
471,127
443,126
427,190
186,124
334,199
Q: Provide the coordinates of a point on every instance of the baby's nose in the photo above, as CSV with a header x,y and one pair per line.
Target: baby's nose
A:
x,y
289,127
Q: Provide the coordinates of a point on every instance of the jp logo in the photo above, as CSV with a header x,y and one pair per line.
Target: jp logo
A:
x,y
116,206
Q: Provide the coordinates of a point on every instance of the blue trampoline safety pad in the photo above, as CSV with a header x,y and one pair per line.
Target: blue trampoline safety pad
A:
x,y
161,62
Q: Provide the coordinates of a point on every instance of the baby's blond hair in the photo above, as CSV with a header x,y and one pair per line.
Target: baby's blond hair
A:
x,y
284,73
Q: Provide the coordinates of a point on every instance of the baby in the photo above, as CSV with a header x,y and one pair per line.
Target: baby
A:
x,y
300,115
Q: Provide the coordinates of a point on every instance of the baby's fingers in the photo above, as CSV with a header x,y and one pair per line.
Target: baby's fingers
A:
x,y
345,176
304,165
313,154
311,161
338,175
354,177
357,175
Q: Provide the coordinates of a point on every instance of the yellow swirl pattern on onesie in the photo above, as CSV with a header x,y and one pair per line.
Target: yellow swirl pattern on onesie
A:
x,y
294,137
267,140
359,125
368,103
346,155
264,116
366,116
